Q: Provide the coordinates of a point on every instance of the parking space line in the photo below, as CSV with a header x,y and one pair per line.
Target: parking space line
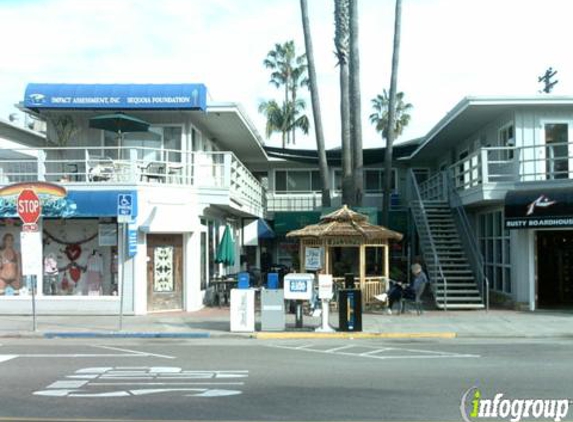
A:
x,y
336,349
373,352
378,352
136,352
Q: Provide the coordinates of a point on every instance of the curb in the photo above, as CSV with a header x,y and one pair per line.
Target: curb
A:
x,y
124,335
350,335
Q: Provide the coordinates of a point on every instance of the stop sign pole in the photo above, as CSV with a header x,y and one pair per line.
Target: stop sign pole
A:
x,y
29,210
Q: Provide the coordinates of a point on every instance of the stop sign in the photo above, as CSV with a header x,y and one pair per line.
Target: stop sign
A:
x,y
28,206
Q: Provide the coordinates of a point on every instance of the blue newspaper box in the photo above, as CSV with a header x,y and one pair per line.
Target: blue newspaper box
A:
x,y
272,280
244,281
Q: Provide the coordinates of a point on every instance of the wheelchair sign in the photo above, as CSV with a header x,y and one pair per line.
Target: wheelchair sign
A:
x,y
124,207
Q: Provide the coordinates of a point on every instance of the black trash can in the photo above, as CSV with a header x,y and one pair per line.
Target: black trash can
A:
x,y
350,310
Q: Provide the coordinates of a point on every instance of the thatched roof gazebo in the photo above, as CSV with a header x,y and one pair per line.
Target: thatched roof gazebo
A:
x,y
347,228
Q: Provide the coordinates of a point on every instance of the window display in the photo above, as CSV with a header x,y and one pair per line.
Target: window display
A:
x,y
83,267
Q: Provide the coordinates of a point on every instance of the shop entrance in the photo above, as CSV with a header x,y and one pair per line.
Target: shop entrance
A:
x,y
554,268
164,272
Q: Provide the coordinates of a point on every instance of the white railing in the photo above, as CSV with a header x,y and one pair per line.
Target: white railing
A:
x,y
106,165
514,164
432,189
294,201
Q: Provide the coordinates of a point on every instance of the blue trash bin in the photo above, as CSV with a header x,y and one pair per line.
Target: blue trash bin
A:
x,y
273,281
244,281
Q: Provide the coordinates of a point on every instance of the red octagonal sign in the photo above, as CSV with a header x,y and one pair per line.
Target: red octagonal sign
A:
x,y
28,206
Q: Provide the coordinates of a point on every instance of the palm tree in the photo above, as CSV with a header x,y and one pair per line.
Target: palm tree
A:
x,y
381,120
380,117
391,114
313,87
288,70
341,41
284,119
355,105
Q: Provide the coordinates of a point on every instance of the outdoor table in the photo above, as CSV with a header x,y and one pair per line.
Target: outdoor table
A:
x,y
223,289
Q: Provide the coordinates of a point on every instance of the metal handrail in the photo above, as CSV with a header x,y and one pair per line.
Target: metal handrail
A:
x,y
466,230
423,221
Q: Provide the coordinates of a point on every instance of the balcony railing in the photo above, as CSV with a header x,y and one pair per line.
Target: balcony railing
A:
x,y
514,164
130,166
294,201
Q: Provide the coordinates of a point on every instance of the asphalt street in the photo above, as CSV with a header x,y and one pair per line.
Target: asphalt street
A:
x,y
276,380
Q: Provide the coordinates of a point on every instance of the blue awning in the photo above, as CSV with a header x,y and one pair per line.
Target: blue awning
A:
x,y
73,204
116,96
99,203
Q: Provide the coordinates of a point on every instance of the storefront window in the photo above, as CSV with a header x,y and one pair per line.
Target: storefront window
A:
x,y
80,258
495,248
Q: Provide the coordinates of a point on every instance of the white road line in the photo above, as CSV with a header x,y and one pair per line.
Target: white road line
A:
x,y
165,383
4,358
373,352
434,352
79,355
304,346
136,352
336,349
423,357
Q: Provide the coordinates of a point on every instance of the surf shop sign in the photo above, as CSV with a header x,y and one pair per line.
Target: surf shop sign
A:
x,y
30,201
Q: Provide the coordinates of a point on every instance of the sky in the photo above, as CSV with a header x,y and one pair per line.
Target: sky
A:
x,y
449,49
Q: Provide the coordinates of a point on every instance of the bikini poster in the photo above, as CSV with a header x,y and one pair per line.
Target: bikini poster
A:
x,y
10,261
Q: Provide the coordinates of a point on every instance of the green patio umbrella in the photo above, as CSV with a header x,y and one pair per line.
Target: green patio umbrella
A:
x,y
226,249
119,123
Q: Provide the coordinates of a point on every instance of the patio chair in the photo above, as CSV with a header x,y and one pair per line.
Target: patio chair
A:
x,y
416,302
153,172
100,168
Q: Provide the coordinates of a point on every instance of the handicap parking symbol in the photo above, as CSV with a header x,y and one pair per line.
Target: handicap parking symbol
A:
x,y
124,204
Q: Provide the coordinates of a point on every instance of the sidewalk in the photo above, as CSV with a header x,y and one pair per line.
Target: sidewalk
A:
x,y
214,322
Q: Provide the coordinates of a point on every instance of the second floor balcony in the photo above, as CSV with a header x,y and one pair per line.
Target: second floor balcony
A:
x,y
488,173
218,177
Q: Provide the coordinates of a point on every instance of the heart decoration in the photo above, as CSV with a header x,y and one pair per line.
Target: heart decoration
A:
x,y
75,273
73,252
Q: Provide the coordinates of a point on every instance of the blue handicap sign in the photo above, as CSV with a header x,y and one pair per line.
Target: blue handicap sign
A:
x,y
125,204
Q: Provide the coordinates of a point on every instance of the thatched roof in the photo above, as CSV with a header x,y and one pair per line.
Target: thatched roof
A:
x,y
346,223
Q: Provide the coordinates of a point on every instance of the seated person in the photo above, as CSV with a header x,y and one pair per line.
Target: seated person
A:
x,y
418,282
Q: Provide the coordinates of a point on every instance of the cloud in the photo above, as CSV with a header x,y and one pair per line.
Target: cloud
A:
x,y
449,49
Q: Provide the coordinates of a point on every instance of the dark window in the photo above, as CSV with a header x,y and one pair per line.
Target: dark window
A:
x,y
280,181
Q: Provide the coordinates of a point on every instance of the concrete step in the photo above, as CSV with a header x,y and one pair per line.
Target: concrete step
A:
x,y
461,292
460,306
459,299
457,285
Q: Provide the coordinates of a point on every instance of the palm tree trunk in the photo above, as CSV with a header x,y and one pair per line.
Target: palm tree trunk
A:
x,y
322,162
355,101
341,40
391,116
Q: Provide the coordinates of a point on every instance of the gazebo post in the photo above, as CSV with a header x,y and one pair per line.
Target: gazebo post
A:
x,y
301,256
326,249
362,267
386,264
